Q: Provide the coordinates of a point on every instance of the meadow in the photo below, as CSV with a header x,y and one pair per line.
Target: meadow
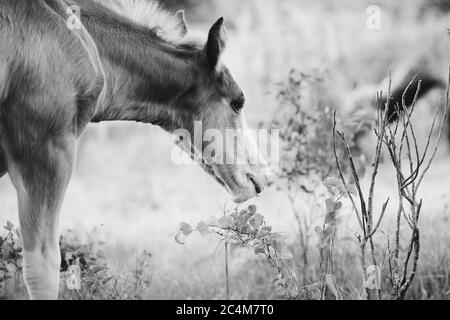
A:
x,y
127,199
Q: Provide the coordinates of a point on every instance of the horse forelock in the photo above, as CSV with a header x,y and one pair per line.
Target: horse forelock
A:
x,y
148,13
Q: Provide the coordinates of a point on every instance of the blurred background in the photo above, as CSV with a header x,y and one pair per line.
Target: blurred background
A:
x,y
128,197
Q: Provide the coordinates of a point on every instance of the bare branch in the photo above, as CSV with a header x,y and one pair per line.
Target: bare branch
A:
x,y
377,226
357,182
341,174
441,129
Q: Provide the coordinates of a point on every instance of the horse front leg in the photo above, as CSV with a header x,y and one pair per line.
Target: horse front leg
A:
x,y
41,178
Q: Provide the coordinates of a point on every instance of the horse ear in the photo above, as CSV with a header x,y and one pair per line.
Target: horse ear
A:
x,y
217,40
182,24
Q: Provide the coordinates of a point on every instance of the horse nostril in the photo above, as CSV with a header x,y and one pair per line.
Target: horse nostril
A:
x,y
258,187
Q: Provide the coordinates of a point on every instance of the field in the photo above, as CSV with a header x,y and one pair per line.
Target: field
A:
x,y
127,197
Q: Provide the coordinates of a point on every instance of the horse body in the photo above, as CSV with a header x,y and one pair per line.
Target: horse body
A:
x,y
50,91
49,94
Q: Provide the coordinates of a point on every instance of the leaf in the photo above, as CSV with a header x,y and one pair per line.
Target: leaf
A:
x,y
280,283
245,230
334,185
203,228
318,230
330,218
186,229
226,222
330,230
105,281
9,226
256,221
332,182
286,254
213,222
330,205
338,206
258,250
327,236
331,283
279,245
261,234
98,269
179,238
241,221
252,209
352,190
332,210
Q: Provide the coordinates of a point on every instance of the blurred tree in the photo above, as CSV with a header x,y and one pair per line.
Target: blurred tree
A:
x,y
439,5
197,11
179,4
189,6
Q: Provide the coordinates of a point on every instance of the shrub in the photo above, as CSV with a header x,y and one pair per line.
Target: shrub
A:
x,y
246,228
86,273
10,261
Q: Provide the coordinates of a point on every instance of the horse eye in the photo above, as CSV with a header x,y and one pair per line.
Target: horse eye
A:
x,y
238,104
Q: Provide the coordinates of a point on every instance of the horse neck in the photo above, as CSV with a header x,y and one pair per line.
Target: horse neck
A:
x,y
145,75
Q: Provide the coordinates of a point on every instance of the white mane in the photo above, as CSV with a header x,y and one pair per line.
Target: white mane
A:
x,y
148,13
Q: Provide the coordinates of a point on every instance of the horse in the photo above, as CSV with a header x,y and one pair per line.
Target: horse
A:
x,y
128,60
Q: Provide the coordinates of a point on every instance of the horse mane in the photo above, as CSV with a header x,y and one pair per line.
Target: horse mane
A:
x,y
150,14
